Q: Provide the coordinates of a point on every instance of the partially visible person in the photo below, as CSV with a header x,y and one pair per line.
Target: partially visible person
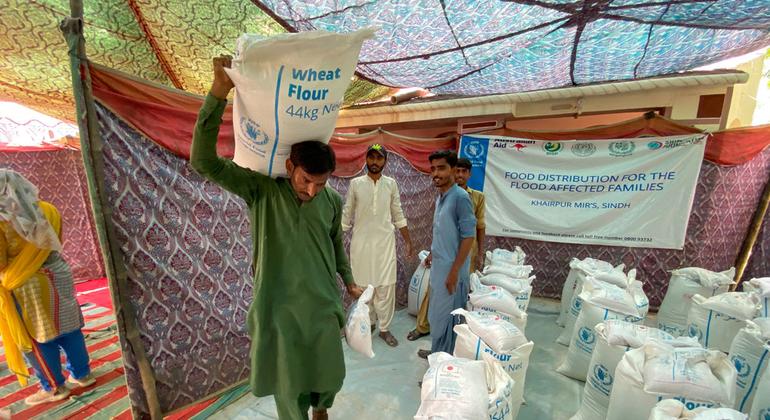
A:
x,y
372,209
454,227
462,175
39,314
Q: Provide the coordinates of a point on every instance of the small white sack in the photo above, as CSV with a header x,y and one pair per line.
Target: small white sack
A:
x,y
501,405
515,271
613,339
675,410
583,339
492,298
715,321
578,271
760,286
288,89
760,407
500,255
749,354
656,371
500,335
576,304
418,285
358,331
515,363
519,320
511,284
453,388
684,284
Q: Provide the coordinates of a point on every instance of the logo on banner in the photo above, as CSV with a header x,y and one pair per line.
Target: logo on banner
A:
x,y
473,149
654,145
583,149
552,147
621,148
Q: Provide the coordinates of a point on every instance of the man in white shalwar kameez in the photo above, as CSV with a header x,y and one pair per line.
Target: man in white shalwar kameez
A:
x,y
372,209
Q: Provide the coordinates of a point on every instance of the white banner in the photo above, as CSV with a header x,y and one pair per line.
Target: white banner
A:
x,y
627,192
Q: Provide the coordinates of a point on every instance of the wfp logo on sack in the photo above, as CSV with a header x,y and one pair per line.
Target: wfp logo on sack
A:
x,y
694,331
602,379
586,335
764,414
576,305
741,365
253,132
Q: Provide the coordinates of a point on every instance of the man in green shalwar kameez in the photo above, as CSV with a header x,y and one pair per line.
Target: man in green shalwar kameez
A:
x,y
296,316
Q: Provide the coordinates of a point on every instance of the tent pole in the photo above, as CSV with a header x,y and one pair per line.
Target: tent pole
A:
x,y
91,151
751,236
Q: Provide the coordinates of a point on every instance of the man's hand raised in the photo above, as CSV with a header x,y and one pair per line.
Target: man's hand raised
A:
x,y
222,84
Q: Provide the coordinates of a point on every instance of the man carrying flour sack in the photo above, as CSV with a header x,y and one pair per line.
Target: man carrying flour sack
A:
x,y
372,209
454,228
296,316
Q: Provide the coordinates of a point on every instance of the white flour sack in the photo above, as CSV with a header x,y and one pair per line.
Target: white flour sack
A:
x,y
501,404
288,89
521,288
761,287
500,335
498,301
510,270
601,302
715,321
749,355
760,408
514,362
613,339
453,388
499,255
577,272
418,285
675,410
684,284
358,332
695,376
576,303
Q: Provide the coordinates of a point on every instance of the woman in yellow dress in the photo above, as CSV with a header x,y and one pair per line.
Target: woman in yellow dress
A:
x,y
39,315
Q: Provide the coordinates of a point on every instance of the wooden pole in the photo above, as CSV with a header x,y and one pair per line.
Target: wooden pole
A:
x,y
91,151
751,236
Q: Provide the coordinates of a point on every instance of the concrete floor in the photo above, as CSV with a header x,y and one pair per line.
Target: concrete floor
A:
x,y
386,387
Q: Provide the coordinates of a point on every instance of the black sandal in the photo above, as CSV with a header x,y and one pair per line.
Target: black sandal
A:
x,y
415,335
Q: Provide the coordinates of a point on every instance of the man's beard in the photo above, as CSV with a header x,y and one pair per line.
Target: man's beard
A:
x,y
374,169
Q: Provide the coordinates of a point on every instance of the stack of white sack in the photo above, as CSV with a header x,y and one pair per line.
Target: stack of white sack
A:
x,y
614,276
613,339
292,84
418,285
497,301
578,270
760,407
601,302
695,376
516,280
760,286
457,388
513,357
715,321
499,255
676,410
684,284
749,354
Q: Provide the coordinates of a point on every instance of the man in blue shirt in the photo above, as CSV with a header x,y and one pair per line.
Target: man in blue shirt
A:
x,y
454,227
